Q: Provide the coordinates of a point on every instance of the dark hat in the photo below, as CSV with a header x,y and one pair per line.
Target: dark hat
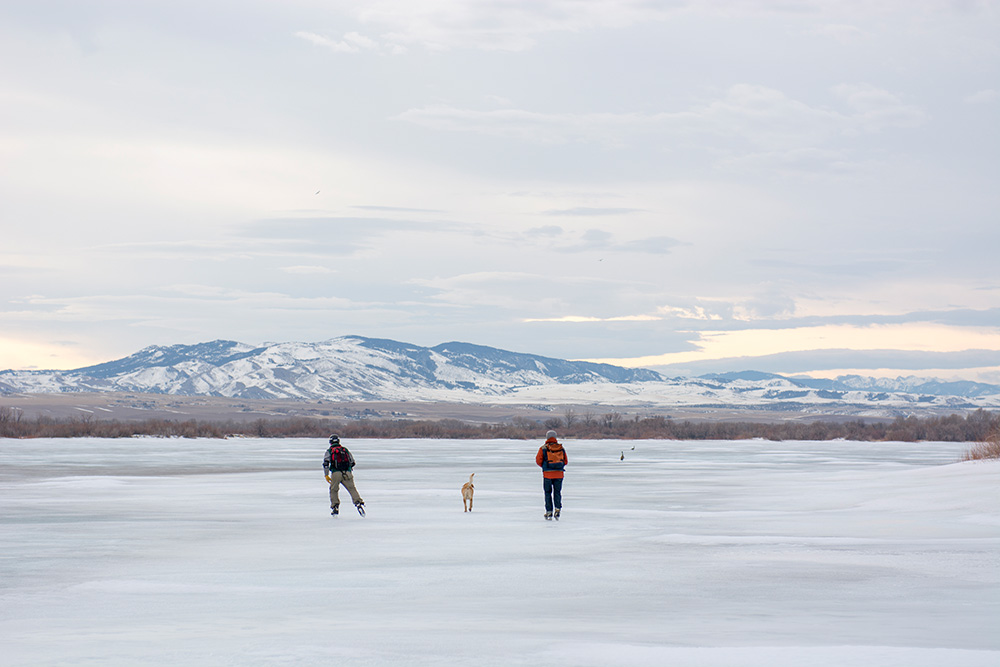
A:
x,y
334,439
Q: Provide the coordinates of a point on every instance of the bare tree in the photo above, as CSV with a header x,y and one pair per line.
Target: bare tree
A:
x,y
612,421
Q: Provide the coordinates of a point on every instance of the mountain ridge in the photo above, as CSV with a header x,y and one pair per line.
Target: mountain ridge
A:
x,y
356,368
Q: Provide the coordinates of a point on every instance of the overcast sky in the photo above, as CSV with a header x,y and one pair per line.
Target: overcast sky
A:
x,y
801,187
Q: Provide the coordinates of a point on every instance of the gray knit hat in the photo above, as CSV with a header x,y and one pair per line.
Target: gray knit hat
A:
x,y
550,434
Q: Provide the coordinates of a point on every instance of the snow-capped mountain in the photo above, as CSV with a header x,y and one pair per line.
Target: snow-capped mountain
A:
x,y
353,368
348,368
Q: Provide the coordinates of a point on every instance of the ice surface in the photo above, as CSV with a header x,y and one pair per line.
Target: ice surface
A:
x,y
207,552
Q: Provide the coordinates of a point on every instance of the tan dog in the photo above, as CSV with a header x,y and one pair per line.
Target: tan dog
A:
x,y
467,491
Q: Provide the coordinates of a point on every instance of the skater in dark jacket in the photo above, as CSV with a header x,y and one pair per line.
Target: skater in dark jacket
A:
x,y
338,464
552,459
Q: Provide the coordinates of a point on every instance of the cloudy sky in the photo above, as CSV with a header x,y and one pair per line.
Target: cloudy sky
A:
x,y
802,187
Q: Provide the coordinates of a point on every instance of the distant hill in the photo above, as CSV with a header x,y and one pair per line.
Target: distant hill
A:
x,y
845,383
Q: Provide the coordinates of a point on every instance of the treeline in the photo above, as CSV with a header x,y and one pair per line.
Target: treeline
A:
x,y
974,427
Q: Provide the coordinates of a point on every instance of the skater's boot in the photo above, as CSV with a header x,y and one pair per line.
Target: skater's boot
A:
x,y
335,510
360,505
548,516
558,509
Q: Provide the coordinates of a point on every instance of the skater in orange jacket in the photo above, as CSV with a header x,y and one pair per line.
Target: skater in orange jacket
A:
x,y
552,459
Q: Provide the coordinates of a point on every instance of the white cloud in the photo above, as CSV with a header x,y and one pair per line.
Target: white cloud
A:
x,y
808,162
842,32
708,310
326,42
987,96
689,313
877,109
600,241
547,231
307,270
590,211
171,301
760,115
509,290
517,25
351,42
498,100
582,318
360,41
508,25
524,125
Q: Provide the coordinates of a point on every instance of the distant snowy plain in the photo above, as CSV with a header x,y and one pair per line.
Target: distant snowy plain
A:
x,y
223,552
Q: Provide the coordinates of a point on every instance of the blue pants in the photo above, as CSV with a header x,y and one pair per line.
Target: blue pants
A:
x,y
553,493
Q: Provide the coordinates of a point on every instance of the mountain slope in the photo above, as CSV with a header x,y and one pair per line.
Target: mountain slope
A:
x,y
348,368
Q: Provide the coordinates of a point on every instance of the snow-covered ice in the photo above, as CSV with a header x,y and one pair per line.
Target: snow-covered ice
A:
x,y
207,552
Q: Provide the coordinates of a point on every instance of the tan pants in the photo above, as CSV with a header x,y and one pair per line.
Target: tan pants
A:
x,y
346,477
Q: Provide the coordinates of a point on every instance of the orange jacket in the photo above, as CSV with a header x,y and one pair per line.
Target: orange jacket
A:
x,y
541,459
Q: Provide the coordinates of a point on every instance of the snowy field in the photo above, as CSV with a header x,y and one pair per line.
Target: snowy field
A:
x,y
206,552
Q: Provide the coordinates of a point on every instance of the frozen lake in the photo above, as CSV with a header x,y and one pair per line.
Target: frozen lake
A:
x,y
208,552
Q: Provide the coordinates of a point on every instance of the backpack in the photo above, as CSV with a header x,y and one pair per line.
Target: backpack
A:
x,y
340,458
554,459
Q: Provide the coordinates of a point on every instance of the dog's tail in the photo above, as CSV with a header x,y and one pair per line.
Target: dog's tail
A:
x,y
470,477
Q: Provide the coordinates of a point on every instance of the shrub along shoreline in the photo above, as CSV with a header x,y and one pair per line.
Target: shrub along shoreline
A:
x,y
978,426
